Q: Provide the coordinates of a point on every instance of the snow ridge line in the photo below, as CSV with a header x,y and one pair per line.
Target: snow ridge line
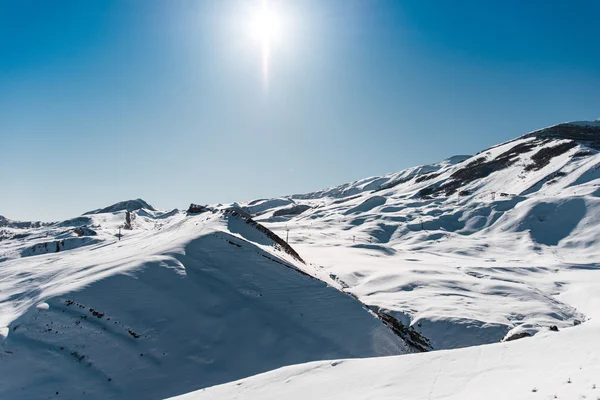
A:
x,y
197,209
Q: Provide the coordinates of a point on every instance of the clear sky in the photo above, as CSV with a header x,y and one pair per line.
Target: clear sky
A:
x,y
170,101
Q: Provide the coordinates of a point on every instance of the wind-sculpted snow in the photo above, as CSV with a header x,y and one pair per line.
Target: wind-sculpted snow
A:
x,y
367,205
257,207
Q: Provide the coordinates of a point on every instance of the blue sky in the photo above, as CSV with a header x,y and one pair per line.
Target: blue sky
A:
x,y
106,100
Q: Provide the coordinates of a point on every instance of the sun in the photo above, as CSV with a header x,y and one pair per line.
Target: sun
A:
x,y
266,27
266,24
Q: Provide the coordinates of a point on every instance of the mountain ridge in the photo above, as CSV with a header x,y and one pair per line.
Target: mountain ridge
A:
x,y
473,250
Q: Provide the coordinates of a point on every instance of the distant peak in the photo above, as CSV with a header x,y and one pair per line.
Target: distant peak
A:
x,y
9,223
127,205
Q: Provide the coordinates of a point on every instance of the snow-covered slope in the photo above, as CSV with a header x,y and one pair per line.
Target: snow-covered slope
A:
x,y
437,246
182,301
479,250
498,247
553,365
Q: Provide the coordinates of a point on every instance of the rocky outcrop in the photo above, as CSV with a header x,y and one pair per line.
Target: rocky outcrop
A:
x,y
266,231
294,210
84,231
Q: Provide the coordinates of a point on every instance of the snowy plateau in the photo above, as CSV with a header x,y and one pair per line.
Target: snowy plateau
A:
x,y
474,278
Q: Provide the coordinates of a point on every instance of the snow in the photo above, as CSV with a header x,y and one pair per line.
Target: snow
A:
x,y
467,273
440,265
561,365
177,304
463,257
129,205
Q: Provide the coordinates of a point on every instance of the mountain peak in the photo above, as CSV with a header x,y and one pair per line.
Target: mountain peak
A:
x,y
127,205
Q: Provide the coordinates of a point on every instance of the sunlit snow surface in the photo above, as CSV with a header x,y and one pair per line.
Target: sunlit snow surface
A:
x,y
467,252
461,269
515,254
178,304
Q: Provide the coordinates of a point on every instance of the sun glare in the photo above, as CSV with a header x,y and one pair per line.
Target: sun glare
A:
x,y
266,27
266,24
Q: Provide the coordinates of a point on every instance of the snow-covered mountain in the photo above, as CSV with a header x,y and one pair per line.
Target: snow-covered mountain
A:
x,y
473,250
181,301
465,232
8,223
129,205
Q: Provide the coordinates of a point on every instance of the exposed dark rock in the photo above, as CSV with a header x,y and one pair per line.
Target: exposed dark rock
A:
x,y
477,169
294,210
84,231
543,157
407,333
128,219
21,236
588,135
238,212
517,336
78,357
197,209
57,246
132,333
427,177
392,184
79,221
552,178
482,167
270,234
96,313
346,199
